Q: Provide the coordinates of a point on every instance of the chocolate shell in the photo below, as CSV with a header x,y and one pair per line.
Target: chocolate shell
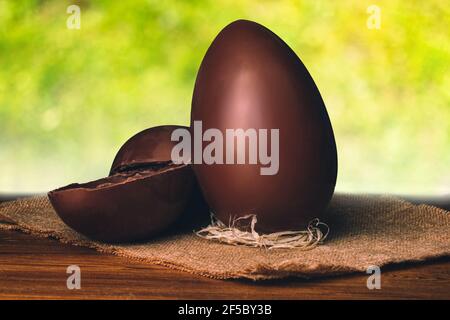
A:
x,y
250,79
152,145
144,194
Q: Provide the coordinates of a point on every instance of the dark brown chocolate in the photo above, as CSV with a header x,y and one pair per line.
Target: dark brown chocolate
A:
x,y
152,145
144,194
250,78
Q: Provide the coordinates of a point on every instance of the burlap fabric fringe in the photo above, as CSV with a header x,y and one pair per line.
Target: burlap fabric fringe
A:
x,y
365,231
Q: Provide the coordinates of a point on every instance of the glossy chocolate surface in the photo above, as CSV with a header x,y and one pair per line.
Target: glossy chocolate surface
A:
x,y
249,78
152,145
144,194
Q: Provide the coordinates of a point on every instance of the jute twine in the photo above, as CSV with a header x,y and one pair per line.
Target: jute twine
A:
x,y
231,234
365,230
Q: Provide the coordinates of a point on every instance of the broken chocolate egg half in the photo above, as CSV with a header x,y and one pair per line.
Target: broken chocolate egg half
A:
x,y
143,195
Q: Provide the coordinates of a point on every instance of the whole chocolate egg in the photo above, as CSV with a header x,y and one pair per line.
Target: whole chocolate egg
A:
x,y
144,194
251,79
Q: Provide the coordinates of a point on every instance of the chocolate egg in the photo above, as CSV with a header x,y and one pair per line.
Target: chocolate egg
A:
x,y
152,145
144,194
251,79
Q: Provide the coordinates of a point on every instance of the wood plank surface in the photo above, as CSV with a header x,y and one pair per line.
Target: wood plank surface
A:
x,y
35,268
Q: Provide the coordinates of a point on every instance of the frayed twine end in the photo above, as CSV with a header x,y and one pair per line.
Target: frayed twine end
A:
x,y
301,239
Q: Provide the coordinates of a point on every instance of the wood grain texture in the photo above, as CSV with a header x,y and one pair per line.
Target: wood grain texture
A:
x,y
35,268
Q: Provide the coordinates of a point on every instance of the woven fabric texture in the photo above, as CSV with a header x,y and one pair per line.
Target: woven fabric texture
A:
x,y
364,230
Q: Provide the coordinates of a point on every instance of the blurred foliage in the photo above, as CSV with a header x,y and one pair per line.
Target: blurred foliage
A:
x,y
70,98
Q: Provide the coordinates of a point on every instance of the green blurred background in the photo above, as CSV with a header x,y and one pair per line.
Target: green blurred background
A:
x,y
70,98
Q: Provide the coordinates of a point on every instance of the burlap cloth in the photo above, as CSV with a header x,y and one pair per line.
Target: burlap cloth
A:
x,y
365,230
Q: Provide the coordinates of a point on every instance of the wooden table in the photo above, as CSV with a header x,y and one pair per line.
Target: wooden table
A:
x,y
35,268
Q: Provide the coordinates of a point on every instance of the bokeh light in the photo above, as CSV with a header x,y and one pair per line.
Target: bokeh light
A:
x,y
70,98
